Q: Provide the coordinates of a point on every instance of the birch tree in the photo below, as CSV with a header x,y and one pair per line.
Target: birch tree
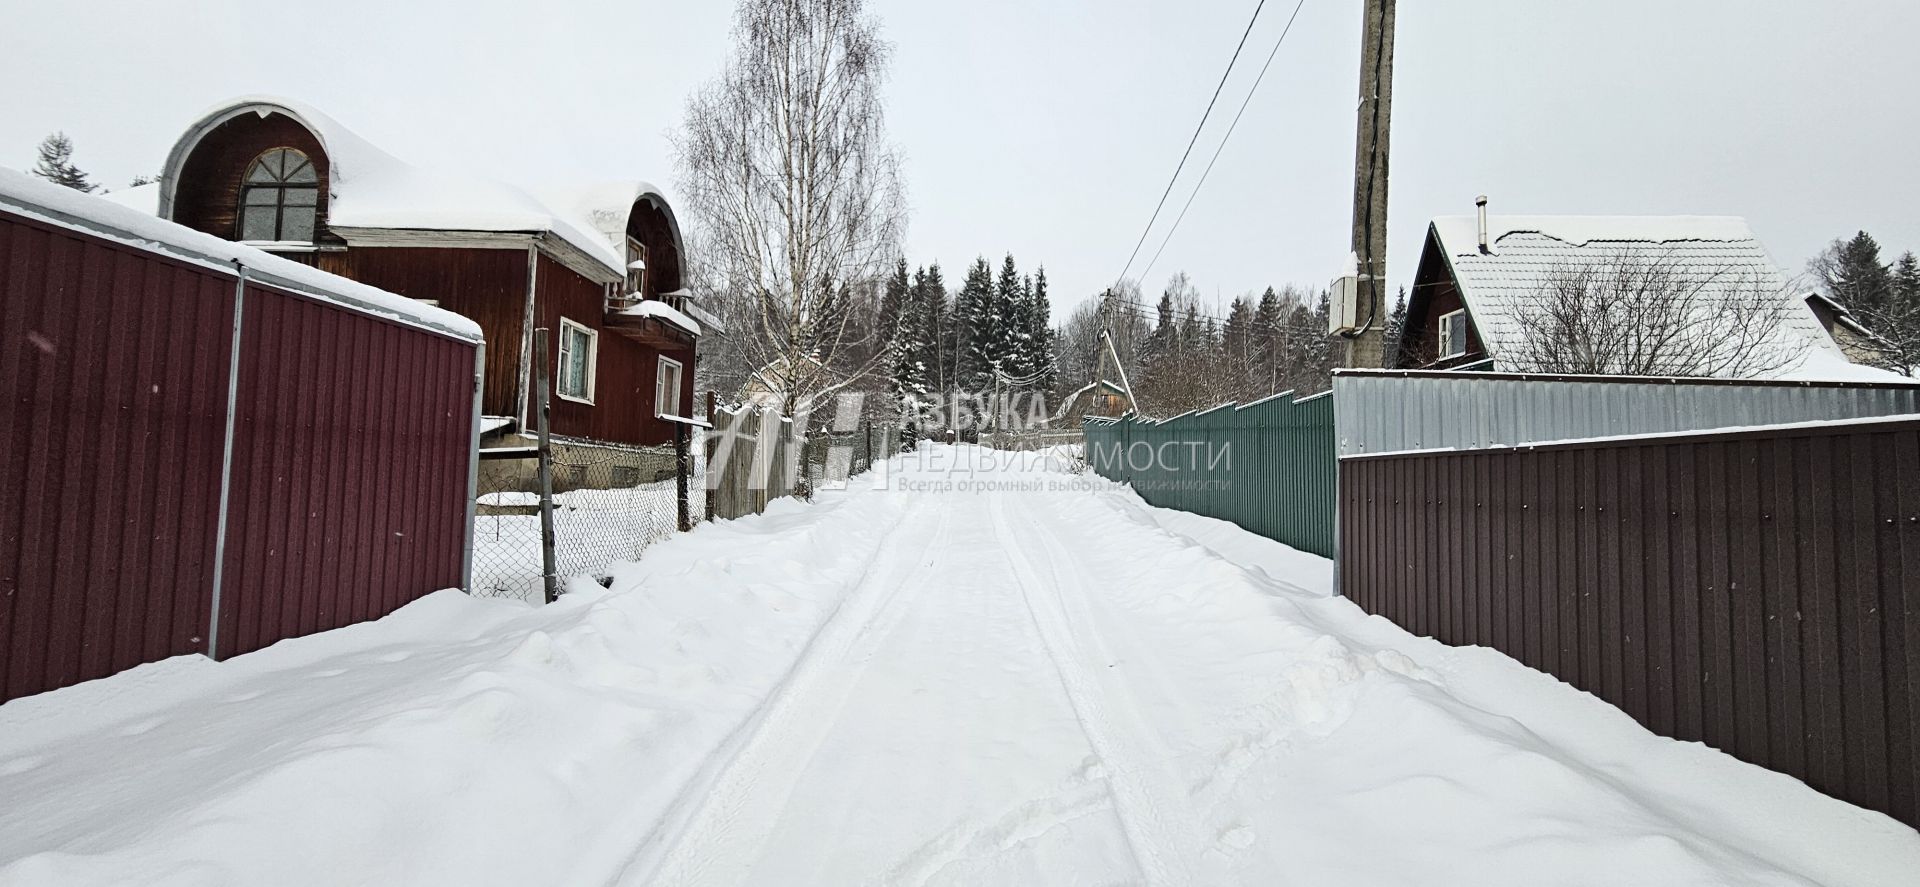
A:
x,y
786,169
1643,314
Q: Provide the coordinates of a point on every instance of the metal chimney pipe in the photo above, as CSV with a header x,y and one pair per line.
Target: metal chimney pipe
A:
x,y
1486,243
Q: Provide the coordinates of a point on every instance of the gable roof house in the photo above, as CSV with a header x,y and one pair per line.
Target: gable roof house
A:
x,y
1478,281
1101,398
600,266
1860,344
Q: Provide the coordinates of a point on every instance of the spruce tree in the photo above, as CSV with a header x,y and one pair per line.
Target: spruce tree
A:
x,y
1040,349
56,164
1238,348
1857,277
1901,326
907,348
892,296
1009,296
1396,328
974,315
1266,330
936,319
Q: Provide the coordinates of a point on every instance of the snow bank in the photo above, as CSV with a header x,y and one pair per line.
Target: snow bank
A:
x,y
457,741
1051,683
1364,755
31,197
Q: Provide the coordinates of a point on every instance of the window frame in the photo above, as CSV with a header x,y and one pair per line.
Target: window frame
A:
x,y
279,206
1448,323
563,352
636,279
679,378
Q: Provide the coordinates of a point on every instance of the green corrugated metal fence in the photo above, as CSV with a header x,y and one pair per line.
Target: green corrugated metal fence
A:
x,y
1269,466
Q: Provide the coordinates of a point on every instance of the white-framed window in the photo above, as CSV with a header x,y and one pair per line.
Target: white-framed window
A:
x,y
666,388
579,356
636,268
1453,334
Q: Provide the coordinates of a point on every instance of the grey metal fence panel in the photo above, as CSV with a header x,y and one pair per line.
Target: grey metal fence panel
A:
x,y
1395,411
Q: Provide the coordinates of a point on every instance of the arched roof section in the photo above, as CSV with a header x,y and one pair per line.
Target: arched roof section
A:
x,y
608,209
371,189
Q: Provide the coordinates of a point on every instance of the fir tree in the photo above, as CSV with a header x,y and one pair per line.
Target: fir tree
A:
x,y
908,347
1396,328
1040,348
936,320
1855,275
1266,330
892,296
1009,296
973,311
56,164
1238,344
1901,326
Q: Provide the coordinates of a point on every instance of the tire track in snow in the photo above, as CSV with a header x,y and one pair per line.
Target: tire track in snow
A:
x,y
738,809
1168,838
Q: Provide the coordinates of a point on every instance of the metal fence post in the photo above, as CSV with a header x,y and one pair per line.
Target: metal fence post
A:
x,y
713,479
549,571
683,469
226,461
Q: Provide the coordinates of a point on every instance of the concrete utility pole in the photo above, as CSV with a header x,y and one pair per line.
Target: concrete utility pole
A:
x,y
1366,348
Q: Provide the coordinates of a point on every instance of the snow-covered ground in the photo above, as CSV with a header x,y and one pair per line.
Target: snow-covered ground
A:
x,y
1045,683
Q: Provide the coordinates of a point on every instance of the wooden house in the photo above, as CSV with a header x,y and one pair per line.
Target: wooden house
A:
x,y
1480,276
600,266
1860,344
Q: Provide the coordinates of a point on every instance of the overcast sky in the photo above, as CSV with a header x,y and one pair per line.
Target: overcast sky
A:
x,y
1048,128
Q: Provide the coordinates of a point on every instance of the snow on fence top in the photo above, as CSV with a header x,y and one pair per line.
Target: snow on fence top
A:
x,y
371,189
1392,411
67,208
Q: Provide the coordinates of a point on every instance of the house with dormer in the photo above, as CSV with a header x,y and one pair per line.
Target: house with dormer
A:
x,y
599,265
1481,278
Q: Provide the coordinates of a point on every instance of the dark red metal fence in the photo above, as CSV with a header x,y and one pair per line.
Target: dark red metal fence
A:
x,y
351,458
1757,591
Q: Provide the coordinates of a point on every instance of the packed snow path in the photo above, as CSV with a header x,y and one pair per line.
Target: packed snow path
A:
x,y
979,673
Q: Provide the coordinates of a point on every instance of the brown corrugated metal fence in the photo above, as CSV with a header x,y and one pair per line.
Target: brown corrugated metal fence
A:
x,y
351,456
1757,591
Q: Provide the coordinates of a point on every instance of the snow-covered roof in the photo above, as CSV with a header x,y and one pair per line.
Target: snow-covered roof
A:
x,y
371,189
27,196
603,208
144,198
1525,253
662,311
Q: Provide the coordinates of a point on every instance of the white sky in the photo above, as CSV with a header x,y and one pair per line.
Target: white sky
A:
x,y
1048,127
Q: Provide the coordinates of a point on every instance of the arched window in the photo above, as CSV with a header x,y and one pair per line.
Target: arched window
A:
x,y
280,197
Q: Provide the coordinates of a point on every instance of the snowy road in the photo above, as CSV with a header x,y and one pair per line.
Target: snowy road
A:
x,y
1043,683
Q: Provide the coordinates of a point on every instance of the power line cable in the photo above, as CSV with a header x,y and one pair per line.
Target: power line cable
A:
x,y
1193,141
1224,139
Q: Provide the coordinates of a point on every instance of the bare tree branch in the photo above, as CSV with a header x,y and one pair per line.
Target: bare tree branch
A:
x,y
786,169
1643,314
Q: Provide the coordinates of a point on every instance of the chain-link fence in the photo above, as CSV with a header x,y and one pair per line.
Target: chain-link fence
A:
x,y
609,504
